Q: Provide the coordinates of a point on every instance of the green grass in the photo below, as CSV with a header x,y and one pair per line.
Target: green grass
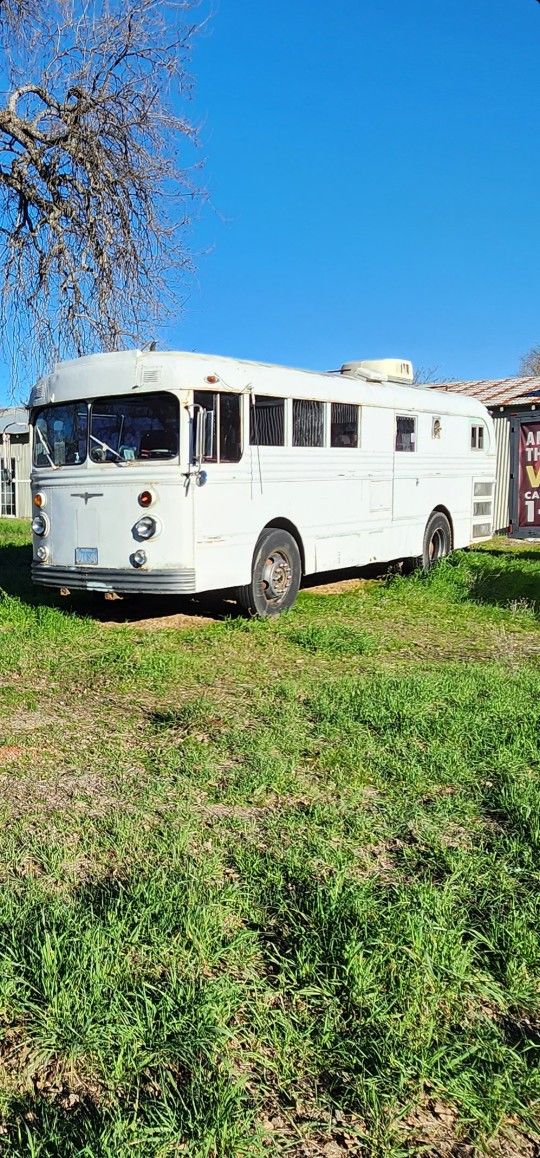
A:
x,y
272,888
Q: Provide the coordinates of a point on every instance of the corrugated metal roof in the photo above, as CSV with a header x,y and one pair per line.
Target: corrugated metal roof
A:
x,y
14,419
496,391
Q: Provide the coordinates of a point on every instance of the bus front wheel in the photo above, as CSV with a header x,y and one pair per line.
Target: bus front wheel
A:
x,y
275,575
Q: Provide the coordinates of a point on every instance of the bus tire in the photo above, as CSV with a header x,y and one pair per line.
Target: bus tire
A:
x,y
275,575
437,540
437,545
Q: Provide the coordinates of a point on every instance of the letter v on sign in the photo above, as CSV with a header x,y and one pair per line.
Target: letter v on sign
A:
x,y
533,476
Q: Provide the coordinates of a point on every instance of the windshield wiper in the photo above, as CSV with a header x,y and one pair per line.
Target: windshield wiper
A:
x,y
106,446
43,441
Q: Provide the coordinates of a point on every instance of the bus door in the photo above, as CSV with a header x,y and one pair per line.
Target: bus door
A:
x,y
406,504
218,487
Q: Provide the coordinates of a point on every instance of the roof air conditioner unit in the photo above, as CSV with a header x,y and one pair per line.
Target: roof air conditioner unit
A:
x,y
397,369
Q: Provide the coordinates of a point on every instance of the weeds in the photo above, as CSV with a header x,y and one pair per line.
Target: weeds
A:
x,y
272,888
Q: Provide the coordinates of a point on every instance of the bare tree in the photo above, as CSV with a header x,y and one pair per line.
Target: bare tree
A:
x,y
94,185
529,366
426,375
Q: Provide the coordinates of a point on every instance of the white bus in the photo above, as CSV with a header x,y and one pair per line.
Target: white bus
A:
x,y
182,473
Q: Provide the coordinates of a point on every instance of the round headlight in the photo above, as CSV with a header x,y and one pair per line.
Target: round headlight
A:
x,y
138,558
145,528
39,526
42,553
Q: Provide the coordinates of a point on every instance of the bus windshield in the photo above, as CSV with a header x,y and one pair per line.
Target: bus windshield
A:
x,y
115,429
126,429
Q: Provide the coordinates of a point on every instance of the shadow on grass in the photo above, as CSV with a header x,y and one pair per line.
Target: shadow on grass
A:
x,y
514,583
514,586
15,580
64,1123
514,550
15,563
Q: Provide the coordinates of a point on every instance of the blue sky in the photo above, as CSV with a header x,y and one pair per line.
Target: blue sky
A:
x,y
373,179
373,171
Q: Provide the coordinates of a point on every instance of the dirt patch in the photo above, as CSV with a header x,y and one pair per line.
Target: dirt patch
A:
x,y
300,1133
337,587
254,812
20,721
87,794
26,1076
152,612
379,860
9,752
179,622
514,1142
433,1130
234,812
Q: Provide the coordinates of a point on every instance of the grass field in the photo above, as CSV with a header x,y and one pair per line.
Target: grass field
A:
x,y
272,888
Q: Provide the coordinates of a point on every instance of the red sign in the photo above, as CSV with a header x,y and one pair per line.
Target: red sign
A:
x,y
529,475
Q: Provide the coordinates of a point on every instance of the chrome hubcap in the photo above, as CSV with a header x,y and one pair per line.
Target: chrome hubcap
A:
x,y
276,576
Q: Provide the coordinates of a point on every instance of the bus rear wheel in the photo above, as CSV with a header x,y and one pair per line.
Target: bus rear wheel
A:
x,y
275,575
437,540
436,546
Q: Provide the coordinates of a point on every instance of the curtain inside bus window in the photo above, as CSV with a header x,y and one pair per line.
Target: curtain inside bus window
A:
x,y
123,428
344,424
308,422
267,421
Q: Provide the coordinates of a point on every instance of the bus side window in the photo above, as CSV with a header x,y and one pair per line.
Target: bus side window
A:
x,y
477,437
227,425
405,432
344,424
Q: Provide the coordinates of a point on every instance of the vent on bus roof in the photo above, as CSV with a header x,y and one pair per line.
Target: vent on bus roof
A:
x,y
151,377
398,369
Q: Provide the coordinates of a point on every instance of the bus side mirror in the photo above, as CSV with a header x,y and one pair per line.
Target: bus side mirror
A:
x,y
204,434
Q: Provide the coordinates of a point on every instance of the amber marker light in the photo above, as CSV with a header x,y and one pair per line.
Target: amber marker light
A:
x,y
39,500
145,499
212,378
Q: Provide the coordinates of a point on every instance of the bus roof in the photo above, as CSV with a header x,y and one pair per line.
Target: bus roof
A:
x,y
99,375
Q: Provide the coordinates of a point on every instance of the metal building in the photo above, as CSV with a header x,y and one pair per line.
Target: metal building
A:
x,y
15,463
514,404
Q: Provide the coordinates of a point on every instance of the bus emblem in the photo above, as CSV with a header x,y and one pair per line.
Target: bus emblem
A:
x,y
87,495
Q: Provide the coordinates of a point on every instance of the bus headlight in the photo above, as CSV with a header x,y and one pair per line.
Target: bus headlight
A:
x,y
138,558
146,528
39,525
42,553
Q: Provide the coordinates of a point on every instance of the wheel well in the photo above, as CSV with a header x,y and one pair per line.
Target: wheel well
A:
x,y
444,511
286,525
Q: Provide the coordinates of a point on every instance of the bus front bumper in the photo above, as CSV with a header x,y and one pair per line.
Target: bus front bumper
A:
x,y
177,582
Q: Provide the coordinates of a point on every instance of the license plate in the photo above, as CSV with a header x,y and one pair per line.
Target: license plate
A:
x,y
86,556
